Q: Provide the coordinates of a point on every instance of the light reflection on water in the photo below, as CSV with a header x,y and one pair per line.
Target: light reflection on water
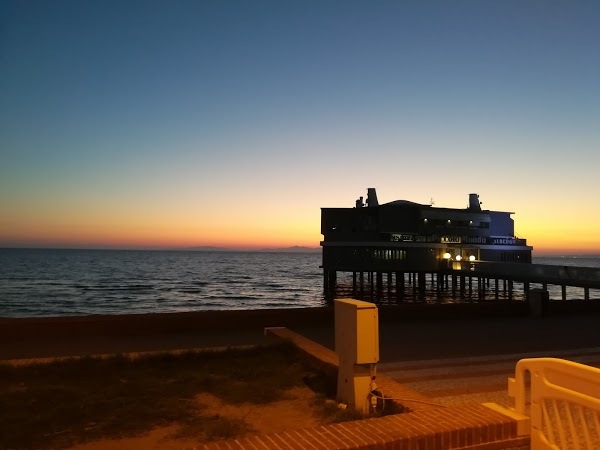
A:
x,y
389,295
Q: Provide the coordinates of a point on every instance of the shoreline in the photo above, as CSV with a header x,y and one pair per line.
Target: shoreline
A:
x,y
228,320
407,331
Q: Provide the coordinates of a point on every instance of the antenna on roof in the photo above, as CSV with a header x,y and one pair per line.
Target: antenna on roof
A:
x,y
431,202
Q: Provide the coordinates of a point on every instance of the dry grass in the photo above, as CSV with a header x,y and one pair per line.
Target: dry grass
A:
x,y
63,403
68,402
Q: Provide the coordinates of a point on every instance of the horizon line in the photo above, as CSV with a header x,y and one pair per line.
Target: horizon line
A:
x,y
198,248
290,249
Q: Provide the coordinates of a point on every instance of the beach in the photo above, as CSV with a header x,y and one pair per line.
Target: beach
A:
x,y
406,331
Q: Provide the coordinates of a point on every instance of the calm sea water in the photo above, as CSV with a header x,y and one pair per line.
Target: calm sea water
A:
x,y
82,282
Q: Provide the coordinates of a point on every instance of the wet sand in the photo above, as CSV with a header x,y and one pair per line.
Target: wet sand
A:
x,y
406,331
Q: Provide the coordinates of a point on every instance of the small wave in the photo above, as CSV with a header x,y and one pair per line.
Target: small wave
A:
x,y
232,297
265,305
56,294
297,289
133,287
260,284
209,304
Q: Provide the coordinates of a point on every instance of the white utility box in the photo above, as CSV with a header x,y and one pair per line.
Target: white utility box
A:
x,y
356,331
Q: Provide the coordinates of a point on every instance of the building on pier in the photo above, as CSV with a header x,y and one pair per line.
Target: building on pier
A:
x,y
403,236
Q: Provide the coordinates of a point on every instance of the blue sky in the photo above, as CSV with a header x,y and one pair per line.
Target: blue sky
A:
x,y
115,115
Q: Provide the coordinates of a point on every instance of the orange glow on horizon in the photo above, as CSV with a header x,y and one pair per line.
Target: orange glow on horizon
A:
x,y
154,237
186,237
244,225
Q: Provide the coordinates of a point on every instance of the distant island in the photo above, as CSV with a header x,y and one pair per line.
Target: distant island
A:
x,y
294,249
207,248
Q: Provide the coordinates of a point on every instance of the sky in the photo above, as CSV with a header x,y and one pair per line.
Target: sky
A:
x,y
161,124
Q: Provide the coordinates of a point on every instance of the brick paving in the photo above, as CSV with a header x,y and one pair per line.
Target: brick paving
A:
x,y
475,427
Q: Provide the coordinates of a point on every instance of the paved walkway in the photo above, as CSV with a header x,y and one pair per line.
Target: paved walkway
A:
x,y
477,379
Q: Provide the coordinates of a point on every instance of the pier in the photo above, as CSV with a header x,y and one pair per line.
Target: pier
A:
x,y
466,280
402,251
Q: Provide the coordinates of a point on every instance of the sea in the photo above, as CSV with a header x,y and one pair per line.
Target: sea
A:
x,y
49,282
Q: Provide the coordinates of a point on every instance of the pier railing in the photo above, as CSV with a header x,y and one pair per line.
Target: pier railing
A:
x,y
564,403
586,277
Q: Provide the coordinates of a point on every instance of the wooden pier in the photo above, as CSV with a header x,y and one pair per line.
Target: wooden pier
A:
x,y
489,280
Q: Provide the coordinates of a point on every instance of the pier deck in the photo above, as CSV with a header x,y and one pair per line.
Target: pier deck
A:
x,y
460,277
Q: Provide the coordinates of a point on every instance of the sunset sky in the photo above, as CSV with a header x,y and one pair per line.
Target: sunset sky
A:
x,y
150,124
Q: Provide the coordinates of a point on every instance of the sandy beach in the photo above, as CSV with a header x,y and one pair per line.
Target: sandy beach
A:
x,y
406,331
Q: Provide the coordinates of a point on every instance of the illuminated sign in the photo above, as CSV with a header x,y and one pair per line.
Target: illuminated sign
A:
x,y
402,238
434,238
504,241
450,240
476,240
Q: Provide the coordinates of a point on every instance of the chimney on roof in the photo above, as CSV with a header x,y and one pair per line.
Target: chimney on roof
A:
x,y
372,197
474,203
